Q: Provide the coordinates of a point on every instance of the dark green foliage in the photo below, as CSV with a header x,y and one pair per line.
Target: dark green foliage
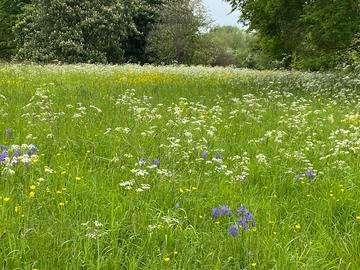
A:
x,y
311,34
176,37
75,31
146,16
9,10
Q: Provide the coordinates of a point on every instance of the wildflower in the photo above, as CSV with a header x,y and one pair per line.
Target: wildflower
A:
x,y
166,259
220,211
297,226
8,132
6,199
204,154
156,162
3,157
61,204
177,205
245,218
233,230
358,217
32,194
142,161
32,187
78,178
31,149
253,264
217,157
310,173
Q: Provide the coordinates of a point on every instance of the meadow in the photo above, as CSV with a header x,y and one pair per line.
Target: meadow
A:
x,y
130,167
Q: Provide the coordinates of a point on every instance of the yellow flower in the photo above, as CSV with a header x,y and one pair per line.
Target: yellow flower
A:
x,y
358,217
297,226
61,204
166,259
181,190
217,222
175,252
6,199
32,187
253,264
32,194
63,173
77,178
16,209
194,188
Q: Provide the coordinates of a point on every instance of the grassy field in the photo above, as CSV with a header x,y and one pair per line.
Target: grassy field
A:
x,y
178,168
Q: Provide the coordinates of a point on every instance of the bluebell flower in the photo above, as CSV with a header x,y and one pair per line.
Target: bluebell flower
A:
x,y
310,173
220,211
234,231
3,156
225,211
217,156
245,218
8,132
156,162
204,154
216,213
142,161
177,205
3,148
31,149
17,152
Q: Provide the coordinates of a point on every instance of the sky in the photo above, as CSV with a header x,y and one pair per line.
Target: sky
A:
x,y
218,11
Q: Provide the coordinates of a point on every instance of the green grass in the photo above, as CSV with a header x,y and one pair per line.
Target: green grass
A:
x,y
92,124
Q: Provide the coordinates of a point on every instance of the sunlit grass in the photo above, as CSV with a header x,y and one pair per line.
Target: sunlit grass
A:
x,y
132,160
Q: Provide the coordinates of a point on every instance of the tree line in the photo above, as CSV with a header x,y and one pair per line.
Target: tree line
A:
x,y
304,34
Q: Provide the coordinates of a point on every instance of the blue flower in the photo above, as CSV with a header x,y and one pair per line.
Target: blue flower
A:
x,y
8,132
220,211
215,213
204,154
218,156
17,152
310,173
156,162
142,161
3,156
245,218
31,149
225,211
234,231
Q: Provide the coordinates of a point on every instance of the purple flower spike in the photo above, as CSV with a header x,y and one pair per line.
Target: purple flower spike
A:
x,y
3,156
234,231
216,213
246,219
142,161
225,211
31,149
310,173
8,132
156,162
204,154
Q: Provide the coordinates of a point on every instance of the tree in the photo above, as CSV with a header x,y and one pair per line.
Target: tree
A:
x,y
177,35
73,31
314,33
9,11
146,16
